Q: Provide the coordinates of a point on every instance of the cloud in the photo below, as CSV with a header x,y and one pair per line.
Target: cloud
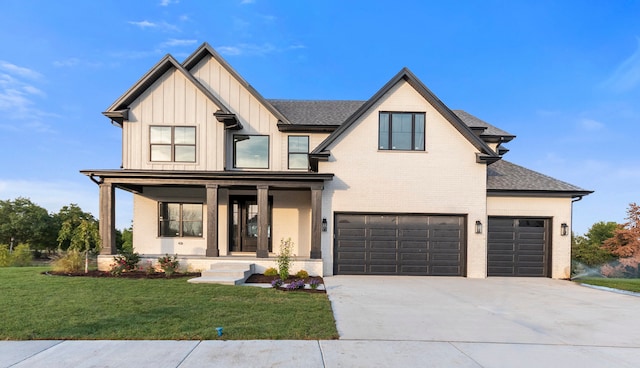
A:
x,y
168,2
19,71
176,42
626,77
247,49
246,2
164,26
591,125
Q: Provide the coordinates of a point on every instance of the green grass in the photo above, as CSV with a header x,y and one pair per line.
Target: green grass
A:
x,y
622,284
37,306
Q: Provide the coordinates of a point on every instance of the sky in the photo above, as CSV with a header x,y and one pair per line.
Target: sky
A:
x,y
563,76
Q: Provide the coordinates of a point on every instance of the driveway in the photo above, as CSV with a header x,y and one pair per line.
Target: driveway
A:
x,y
493,310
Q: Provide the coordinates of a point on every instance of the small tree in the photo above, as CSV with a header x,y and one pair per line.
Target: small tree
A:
x,y
588,249
285,258
626,237
83,238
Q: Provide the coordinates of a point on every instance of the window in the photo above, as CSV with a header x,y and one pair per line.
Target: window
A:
x,y
299,152
403,131
251,151
173,144
180,219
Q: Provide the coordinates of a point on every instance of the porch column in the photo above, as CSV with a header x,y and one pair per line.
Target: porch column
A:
x,y
212,221
316,223
263,222
107,219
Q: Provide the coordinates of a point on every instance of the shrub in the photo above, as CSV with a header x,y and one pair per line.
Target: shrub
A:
x,y
314,283
125,261
271,271
302,274
5,256
21,256
276,283
169,264
295,285
285,258
70,261
148,268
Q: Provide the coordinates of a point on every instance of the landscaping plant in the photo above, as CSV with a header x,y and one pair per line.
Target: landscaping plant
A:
x,y
169,264
70,261
271,271
285,258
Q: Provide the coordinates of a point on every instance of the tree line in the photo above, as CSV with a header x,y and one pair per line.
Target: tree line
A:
x,y
609,248
24,222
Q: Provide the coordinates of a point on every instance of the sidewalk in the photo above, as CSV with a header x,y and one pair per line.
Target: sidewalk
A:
x,y
313,353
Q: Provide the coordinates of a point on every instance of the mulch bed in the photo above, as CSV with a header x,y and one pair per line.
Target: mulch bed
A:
x,y
124,275
258,278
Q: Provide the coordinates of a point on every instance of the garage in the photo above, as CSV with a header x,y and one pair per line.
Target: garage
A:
x,y
399,244
518,247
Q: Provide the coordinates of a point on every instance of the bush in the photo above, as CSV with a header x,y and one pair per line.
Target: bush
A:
x,y
271,271
302,274
5,256
285,258
169,264
125,261
70,261
276,283
21,256
295,285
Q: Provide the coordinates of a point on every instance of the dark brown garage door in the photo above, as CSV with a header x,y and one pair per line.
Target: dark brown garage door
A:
x,y
518,247
391,244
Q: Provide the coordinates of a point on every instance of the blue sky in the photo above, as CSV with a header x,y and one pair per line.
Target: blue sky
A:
x,y
563,76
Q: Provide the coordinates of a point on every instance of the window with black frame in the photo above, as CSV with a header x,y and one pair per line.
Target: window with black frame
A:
x,y
250,151
180,219
172,143
298,147
401,131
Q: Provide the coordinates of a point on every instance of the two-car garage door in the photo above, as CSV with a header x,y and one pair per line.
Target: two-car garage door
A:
x,y
399,244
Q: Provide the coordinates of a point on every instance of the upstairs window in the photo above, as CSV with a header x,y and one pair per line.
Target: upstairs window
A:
x,y
251,151
298,147
180,219
172,143
402,131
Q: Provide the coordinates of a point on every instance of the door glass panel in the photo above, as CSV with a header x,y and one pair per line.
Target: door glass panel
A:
x,y
252,221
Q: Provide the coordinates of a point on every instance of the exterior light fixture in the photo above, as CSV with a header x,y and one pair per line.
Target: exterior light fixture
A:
x,y
564,229
324,225
478,227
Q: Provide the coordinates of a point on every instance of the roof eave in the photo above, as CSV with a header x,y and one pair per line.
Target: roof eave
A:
x,y
537,193
306,128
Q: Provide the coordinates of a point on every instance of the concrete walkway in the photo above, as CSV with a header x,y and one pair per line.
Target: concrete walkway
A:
x,y
399,322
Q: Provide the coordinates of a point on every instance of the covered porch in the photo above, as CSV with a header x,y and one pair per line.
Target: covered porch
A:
x,y
222,195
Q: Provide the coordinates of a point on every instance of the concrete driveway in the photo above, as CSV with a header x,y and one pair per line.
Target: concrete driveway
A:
x,y
495,321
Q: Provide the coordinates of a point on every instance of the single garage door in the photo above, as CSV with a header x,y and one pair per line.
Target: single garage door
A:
x,y
392,244
518,247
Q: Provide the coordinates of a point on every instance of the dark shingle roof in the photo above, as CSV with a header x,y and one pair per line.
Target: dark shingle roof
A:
x,y
335,112
308,112
506,176
473,121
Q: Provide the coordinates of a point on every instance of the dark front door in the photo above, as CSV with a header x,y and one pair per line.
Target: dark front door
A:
x,y
244,224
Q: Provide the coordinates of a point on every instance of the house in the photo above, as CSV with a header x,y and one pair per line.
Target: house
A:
x,y
395,185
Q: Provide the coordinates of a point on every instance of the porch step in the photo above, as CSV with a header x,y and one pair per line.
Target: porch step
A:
x,y
225,273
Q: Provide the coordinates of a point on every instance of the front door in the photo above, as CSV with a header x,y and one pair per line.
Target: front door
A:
x,y
244,224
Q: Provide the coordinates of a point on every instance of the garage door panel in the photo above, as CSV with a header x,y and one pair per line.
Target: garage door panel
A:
x,y
518,247
401,244
345,256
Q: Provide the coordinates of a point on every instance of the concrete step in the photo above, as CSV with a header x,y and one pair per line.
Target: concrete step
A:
x,y
225,274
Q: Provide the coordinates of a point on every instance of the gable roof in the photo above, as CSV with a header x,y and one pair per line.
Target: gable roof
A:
x,y
489,130
406,75
506,178
206,50
309,113
118,111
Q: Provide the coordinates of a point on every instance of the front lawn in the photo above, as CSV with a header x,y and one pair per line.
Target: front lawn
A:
x,y
38,306
622,284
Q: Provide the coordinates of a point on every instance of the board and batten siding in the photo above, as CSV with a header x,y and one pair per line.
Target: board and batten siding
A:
x,y
255,118
443,179
559,209
173,101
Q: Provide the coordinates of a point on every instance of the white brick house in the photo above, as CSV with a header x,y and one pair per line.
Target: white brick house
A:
x,y
397,184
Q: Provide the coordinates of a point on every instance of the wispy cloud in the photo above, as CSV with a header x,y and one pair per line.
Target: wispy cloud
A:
x,y
246,2
177,42
168,2
249,49
163,26
590,125
19,95
626,77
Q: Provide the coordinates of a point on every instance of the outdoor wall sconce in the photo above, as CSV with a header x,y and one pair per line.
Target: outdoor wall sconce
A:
x,y
478,227
564,229
324,225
